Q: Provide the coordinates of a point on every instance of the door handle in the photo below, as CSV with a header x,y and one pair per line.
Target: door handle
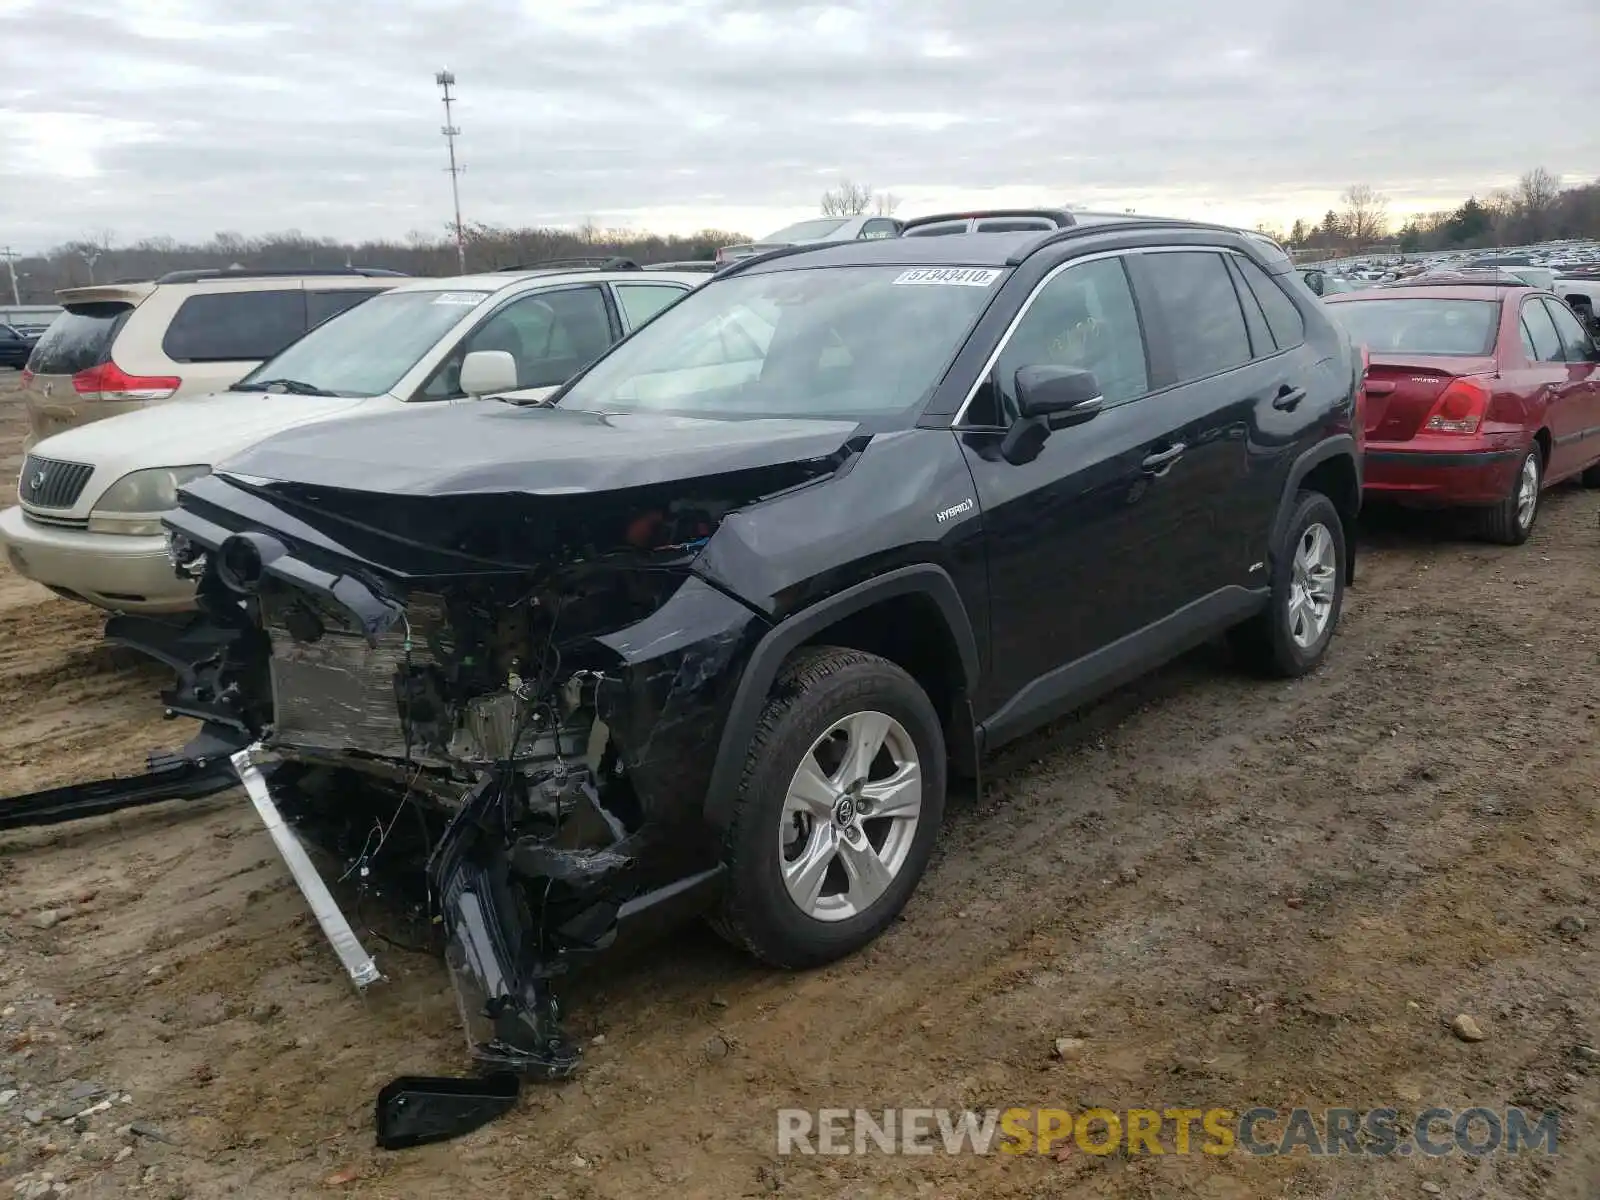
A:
x,y
1288,398
1157,463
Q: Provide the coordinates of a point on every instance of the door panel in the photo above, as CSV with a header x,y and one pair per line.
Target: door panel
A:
x,y
1110,528
1548,380
1583,379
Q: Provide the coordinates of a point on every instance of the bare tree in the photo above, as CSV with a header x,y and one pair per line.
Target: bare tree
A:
x,y
1366,213
847,200
1537,194
886,203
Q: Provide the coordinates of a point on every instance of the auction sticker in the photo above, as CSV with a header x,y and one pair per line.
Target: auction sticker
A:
x,y
465,299
953,276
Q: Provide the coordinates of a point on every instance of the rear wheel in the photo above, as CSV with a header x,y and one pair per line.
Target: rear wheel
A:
x,y
1511,521
1291,637
838,811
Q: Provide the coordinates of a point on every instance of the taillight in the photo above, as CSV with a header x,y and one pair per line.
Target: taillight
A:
x,y
1460,408
110,382
27,377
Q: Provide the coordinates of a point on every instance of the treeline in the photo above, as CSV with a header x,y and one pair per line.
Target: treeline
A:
x,y
1538,209
102,259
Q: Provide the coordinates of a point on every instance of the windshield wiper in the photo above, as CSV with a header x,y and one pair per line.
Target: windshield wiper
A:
x,y
293,386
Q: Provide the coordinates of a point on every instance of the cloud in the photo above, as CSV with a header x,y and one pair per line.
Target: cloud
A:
x,y
185,117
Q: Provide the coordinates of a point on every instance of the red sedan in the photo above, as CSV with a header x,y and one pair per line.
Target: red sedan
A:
x,y
1478,395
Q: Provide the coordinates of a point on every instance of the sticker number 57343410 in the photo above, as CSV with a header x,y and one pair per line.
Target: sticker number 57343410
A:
x,y
950,276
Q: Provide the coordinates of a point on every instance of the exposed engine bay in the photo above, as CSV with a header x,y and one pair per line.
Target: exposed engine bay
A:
x,y
484,734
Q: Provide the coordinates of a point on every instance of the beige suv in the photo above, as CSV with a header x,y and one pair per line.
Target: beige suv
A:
x,y
119,346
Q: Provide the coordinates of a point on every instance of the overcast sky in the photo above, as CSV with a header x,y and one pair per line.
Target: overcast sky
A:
x,y
186,117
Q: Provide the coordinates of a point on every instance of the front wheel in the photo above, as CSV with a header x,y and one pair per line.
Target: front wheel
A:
x,y
838,810
1511,521
1291,637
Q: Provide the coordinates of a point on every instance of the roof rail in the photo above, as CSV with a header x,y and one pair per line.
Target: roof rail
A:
x,y
592,263
695,264
1071,232
196,274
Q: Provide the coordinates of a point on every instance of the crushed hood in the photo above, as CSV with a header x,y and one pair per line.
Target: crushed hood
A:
x,y
474,449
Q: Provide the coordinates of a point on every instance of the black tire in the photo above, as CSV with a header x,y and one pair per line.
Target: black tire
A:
x,y
1503,523
1266,643
817,688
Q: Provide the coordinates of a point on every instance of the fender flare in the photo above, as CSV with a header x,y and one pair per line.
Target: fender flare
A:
x,y
1337,446
766,660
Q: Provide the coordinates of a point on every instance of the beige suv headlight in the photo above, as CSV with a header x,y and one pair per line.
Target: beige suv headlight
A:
x,y
133,504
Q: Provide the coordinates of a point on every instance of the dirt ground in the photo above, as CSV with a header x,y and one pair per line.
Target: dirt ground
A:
x,y
1233,893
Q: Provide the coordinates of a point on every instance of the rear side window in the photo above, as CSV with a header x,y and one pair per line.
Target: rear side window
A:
x,y
1255,320
79,338
1575,340
1204,321
235,326
1414,325
1541,332
322,305
938,229
1283,318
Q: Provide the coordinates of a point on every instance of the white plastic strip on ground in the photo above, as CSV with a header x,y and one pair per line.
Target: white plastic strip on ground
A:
x,y
363,970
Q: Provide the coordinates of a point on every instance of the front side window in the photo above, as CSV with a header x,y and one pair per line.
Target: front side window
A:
x,y
1204,319
366,350
844,342
235,326
1084,317
551,336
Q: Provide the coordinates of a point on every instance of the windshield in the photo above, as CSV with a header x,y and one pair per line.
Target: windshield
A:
x,y
1421,326
842,342
365,350
805,231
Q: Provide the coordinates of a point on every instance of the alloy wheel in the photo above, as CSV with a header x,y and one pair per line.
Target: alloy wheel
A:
x,y
1528,491
850,816
1313,586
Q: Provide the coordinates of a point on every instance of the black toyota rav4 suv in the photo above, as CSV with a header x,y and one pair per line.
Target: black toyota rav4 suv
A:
x,y
708,630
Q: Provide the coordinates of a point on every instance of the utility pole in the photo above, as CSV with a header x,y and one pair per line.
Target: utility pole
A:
x,y
446,80
10,255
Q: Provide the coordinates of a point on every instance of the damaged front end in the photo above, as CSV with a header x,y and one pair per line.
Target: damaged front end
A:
x,y
508,702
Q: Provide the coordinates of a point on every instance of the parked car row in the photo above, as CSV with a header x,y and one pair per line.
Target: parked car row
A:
x,y
88,525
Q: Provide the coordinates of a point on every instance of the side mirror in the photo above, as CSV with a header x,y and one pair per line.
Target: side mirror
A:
x,y
1048,398
1063,396
488,372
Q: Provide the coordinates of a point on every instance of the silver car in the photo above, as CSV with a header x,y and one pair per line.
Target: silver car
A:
x,y
816,229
